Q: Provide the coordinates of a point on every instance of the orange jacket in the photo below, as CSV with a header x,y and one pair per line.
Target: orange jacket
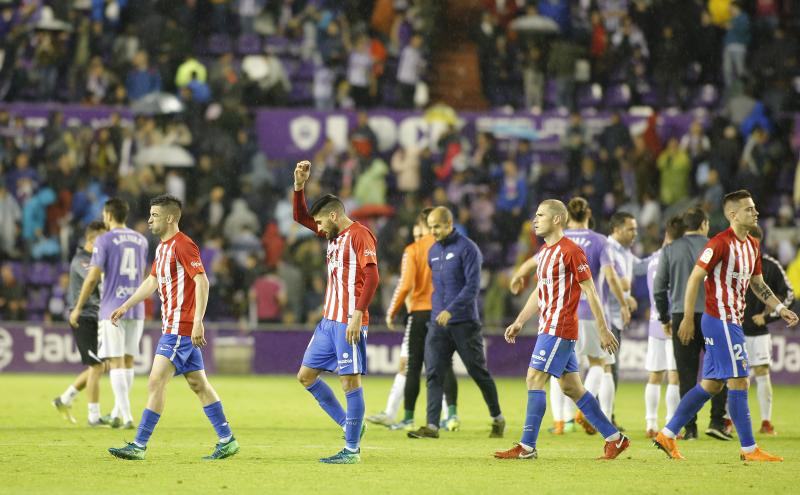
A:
x,y
415,277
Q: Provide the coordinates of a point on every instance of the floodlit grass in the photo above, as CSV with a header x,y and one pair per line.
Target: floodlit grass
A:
x,y
283,432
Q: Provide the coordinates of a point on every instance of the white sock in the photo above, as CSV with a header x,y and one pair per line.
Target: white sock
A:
x,y
94,411
119,384
668,433
444,407
557,398
129,378
652,394
569,409
395,395
606,394
673,398
764,390
593,379
69,395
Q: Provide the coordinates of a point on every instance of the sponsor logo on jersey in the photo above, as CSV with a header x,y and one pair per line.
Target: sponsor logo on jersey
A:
x,y
196,264
370,253
582,267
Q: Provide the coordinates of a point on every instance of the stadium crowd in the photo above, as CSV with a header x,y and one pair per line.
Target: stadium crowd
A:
x,y
262,266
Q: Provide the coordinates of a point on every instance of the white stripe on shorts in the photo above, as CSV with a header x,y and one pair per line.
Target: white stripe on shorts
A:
x,y
552,355
175,349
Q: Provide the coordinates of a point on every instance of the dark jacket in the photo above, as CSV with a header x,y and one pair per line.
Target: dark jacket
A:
x,y
456,270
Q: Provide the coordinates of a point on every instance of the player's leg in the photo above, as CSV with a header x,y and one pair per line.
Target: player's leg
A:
x,y
450,387
417,332
672,397
687,358
133,330
320,356
63,403
469,344
439,348
740,415
557,399
759,352
212,407
655,365
93,391
111,340
160,374
387,416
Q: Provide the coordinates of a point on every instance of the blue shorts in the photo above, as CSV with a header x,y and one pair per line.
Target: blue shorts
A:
x,y
181,353
328,349
726,356
554,355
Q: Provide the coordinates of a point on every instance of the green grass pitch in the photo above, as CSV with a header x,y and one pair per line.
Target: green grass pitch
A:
x,y
283,432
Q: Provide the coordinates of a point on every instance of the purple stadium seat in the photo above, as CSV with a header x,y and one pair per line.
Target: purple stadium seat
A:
x,y
707,96
301,94
304,71
278,45
219,44
618,96
249,44
41,273
590,95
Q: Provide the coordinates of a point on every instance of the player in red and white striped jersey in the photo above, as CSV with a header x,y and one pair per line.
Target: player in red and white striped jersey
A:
x,y
180,279
339,340
563,273
730,263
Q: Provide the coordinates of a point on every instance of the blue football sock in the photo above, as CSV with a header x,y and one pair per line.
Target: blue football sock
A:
x,y
689,405
537,405
740,415
218,421
146,427
591,410
355,417
327,401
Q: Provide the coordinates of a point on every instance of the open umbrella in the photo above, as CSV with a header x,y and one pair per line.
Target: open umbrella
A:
x,y
534,24
158,103
51,24
255,67
167,155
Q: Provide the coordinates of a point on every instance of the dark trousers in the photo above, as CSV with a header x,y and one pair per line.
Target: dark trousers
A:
x,y
466,339
615,367
418,330
687,358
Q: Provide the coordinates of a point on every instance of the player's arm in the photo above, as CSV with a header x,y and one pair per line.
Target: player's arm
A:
x,y
89,285
615,285
518,279
149,285
200,303
471,262
301,174
531,308
686,329
782,286
607,339
661,289
371,279
765,294
405,284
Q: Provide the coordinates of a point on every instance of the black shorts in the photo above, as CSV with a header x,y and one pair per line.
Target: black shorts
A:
x,y
86,340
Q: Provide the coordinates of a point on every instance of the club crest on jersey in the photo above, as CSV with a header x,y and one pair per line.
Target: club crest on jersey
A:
x,y
706,256
196,264
370,253
582,268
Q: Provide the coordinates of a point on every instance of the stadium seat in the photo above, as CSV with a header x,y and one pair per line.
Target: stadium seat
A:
x,y
249,44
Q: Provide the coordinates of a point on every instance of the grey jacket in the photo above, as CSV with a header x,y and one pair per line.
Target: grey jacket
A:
x,y
674,267
78,269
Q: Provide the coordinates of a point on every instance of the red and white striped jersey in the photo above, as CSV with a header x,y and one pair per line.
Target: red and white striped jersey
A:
x,y
730,262
352,250
176,264
560,270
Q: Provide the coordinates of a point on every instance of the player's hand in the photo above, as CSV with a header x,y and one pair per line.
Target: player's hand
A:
x,y
301,174
667,327
517,283
117,314
512,331
73,317
389,322
686,330
632,304
789,317
759,320
607,341
443,317
198,334
626,315
353,331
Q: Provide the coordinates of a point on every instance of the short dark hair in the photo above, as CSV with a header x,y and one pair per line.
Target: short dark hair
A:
x,y
96,226
578,209
422,218
118,209
694,217
169,202
735,196
618,219
675,227
325,205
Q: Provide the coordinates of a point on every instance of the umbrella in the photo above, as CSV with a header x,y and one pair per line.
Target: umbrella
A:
x,y
533,24
255,67
168,155
50,24
157,104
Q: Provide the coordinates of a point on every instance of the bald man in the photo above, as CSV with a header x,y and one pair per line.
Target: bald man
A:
x,y
455,263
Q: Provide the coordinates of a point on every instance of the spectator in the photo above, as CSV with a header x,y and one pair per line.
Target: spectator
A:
x,y
10,216
695,143
406,167
12,295
370,186
675,168
511,202
142,79
359,72
670,64
99,82
737,40
409,71
240,218
23,180
615,134
190,69
268,297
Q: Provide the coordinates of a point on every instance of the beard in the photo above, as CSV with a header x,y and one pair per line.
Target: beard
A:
x,y
332,233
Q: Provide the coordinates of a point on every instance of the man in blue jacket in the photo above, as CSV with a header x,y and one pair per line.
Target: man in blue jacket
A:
x,y
455,263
